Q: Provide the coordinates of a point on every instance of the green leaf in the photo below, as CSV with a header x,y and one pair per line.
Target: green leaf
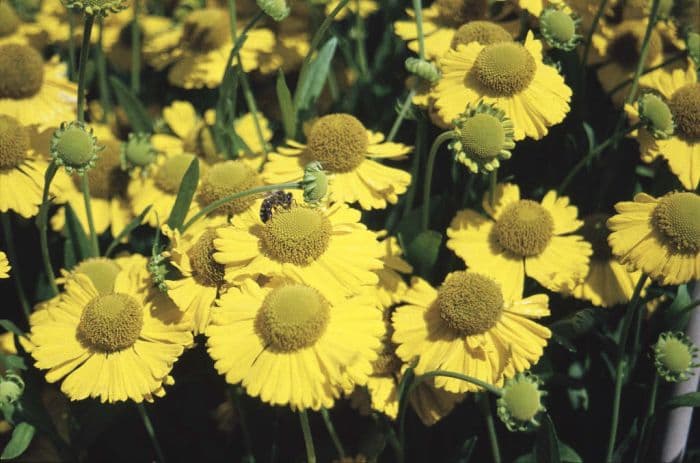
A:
x,y
127,230
184,196
226,112
81,247
576,324
464,455
309,88
675,318
691,399
546,443
21,438
135,111
423,251
13,362
284,97
11,327
569,455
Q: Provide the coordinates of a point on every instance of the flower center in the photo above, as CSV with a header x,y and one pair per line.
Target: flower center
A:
x,y
483,32
482,135
386,363
505,68
470,303
107,179
685,106
9,21
170,174
292,318
456,12
339,142
205,30
560,25
596,232
14,143
522,398
205,270
111,322
298,235
101,271
224,179
524,228
676,356
22,71
626,47
75,146
677,218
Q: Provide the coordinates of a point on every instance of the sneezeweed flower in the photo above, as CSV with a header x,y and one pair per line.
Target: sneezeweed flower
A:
x,y
483,32
391,286
75,147
115,346
366,8
347,151
521,402
32,91
559,28
675,357
137,153
509,75
293,346
224,179
470,326
483,136
14,28
521,237
100,8
4,266
659,236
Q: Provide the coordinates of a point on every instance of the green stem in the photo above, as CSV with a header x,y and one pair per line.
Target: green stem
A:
x,y
490,426
620,366
253,108
430,164
85,186
647,423
493,181
71,45
82,65
14,262
136,50
404,388
589,37
452,374
308,439
421,133
43,225
334,435
151,432
402,114
102,74
418,11
236,398
360,41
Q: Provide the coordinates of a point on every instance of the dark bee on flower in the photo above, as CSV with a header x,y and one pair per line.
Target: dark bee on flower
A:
x,y
272,201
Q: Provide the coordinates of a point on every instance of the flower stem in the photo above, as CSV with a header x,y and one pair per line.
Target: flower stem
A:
x,y
42,221
308,439
102,74
151,432
136,50
334,435
442,138
236,398
490,426
85,186
360,41
82,65
647,422
493,181
452,374
589,37
418,11
402,114
253,108
14,261
71,45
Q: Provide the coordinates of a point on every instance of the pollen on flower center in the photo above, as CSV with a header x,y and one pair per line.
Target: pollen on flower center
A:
x,y
9,21
14,143
107,179
224,179
205,270
596,232
205,30
298,235
685,106
626,47
677,218
22,71
470,303
524,228
483,32
339,142
101,271
482,135
456,12
111,322
170,174
292,317
504,68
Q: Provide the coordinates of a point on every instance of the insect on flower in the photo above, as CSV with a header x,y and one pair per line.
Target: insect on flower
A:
x,y
272,201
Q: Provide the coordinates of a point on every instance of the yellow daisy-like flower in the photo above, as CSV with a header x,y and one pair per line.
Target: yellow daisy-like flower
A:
x,y
198,49
347,151
328,249
33,91
292,345
469,326
522,237
114,346
659,236
608,282
509,75
14,30
366,8
4,266
116,36
392,286
681,91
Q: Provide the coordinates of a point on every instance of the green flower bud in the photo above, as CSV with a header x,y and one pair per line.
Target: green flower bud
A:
x,y
315,182
559,28
656,115
675,357
423,69
96,7
11,389
137,152
74,146
276,9
692,42
521,402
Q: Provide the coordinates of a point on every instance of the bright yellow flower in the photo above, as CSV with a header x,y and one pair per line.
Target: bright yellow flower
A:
x,y
4,266
659,236
392,286
291,41
346,150
510,76
116,36
14,30
115,346
366,8
292,346
469,326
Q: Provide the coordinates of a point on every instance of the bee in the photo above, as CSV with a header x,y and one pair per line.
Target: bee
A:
x,y
273,201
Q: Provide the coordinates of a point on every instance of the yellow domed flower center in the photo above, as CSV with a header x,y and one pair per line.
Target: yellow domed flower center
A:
x,y
483,32
205,30
224,179
111,322
504,68
107,179
482,135
101,271
685,106
298,235
626,47
677,218
9,21
205,270
596,232
14,143
470,303
560,25
22,71
170,174
456,12
524,228
522,399
676,356
292,318
339,142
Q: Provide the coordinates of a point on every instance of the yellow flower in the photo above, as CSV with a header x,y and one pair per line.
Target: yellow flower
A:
x,y
522,237
681,91
347,151
115,346
659,236
392,286
224,179
14,30
4,266
469,326
292,346
291,42
366,8
116,36
33,91
510,76
328,249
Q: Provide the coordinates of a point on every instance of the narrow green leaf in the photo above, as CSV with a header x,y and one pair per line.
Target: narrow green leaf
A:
x,y
313,81
569,455
184,196
127,230
82,248
423,251
546,443
284,97
466,451
135,111
11,327
21,438
675,318
691,399
226,112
